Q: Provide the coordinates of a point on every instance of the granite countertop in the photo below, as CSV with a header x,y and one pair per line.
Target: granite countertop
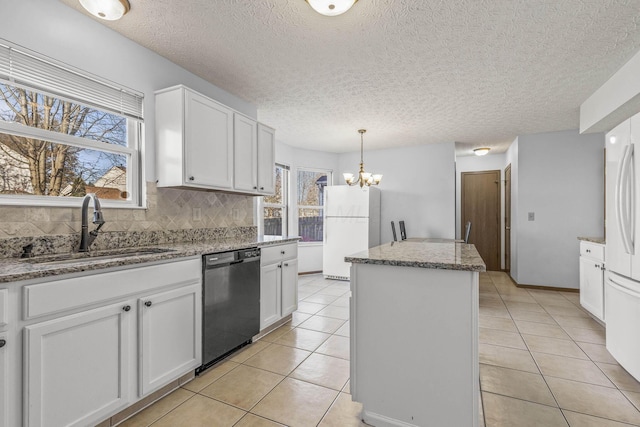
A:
x,y
440,254
599,240
15,269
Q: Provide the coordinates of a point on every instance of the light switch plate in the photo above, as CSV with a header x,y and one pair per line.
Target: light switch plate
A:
x,y
532,216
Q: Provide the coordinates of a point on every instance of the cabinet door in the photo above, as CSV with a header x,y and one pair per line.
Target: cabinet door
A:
x,y
170,341
270,277
266,159
208,142
245,155
82,358
289,286
592,287
4,381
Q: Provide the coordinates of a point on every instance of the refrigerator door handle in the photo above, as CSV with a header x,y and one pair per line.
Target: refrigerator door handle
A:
x,y
621,288
622,199
629,200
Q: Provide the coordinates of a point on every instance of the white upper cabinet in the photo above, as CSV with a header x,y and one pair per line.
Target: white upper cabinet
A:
x,y
266,159
204,144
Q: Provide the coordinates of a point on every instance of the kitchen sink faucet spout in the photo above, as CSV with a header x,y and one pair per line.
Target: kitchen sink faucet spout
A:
x,y
86,237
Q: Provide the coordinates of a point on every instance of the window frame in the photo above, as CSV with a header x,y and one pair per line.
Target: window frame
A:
x,y
329,173
134,123
286,201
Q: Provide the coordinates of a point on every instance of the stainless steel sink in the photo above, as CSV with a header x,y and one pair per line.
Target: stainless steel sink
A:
x,y
71,258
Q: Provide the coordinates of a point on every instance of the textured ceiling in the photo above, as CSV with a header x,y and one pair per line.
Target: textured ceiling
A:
x,y
478,72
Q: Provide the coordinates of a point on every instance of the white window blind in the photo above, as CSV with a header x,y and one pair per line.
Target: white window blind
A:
x,y
20,67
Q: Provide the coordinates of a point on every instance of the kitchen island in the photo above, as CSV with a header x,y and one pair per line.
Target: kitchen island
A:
x,y
414,333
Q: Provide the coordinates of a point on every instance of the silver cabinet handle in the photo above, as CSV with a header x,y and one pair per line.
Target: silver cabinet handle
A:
x,y
3,343
148,303
126,308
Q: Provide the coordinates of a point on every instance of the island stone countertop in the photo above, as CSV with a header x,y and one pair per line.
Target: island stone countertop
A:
x,y
599,240
16,269
440,254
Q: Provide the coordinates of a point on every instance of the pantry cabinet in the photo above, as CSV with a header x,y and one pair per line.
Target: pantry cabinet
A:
x,y
592,278
278,283
203,144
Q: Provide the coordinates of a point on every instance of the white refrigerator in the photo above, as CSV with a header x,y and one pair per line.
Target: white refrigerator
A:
x,y
351,224
622,250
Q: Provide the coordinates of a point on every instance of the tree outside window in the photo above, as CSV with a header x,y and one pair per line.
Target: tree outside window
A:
x,y
311,186
275,207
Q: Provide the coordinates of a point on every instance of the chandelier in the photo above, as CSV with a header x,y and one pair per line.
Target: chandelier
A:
x,y
331,7
364,178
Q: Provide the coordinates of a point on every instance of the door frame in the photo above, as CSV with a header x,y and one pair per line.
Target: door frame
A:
x,y
507,208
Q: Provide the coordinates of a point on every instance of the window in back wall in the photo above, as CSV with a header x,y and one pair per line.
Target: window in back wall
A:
x,y
276,207
65,133
310,193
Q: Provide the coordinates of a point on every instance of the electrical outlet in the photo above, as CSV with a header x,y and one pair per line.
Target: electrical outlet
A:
x,y
532,216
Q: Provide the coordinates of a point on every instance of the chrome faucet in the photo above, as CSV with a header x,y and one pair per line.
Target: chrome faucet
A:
x,y
86,237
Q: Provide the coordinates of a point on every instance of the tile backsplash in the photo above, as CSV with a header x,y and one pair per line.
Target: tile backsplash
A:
x,y
167,209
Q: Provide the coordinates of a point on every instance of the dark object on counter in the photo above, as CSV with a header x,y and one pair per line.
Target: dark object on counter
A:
x,y
393,230
26,251
230,303
403,232
467,231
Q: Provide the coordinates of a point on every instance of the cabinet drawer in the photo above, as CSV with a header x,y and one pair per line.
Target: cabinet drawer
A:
x,y
592,250
76,292
277,253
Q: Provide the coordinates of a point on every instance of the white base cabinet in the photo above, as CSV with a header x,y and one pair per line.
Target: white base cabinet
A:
x,y
592,278
4,381
278,283
82,358
95,344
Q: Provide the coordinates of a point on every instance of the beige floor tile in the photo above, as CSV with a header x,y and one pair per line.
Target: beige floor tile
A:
x,y
296,403
524,306
327,371
327,325
344,330
581,420
532,316
298,317
571,369
586,335
303,339
597,352
495,312
321,298
501,411
335,312
542,329
310,307
159,409
347,387
243,387
554,346
593,400
280,359
491,302
200,411
341,302
336,291
621,378
502,338
513,383
577,322
499,323
574,297
566,311
633,397
507,358
520,297
250,420
249,351
336,346
210,375
277,333
343,413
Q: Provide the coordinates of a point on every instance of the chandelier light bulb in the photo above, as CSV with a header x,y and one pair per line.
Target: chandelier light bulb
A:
x,y
364,178
331,7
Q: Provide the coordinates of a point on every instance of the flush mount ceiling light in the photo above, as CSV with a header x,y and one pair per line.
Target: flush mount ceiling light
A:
x,y
331,7
364,178
110,10
481,151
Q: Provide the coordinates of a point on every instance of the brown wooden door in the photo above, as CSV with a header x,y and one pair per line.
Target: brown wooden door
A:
x,y
507,218
481,206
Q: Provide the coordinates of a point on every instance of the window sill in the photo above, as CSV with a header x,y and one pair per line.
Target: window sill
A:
x,y
310,244
13,201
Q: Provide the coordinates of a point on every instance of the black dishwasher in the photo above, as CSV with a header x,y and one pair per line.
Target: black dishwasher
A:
x,y
230,302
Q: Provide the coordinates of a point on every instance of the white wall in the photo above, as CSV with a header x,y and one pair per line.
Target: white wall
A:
x,y
60,32
309,254
418,187
475,164
560,179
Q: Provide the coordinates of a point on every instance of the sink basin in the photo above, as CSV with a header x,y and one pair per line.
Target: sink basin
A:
x,y
93,256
